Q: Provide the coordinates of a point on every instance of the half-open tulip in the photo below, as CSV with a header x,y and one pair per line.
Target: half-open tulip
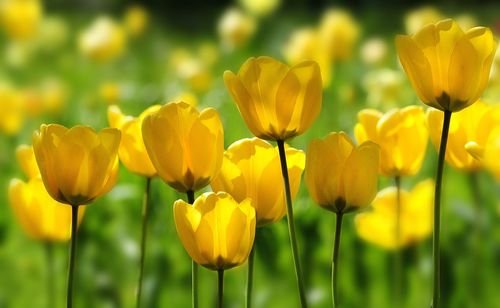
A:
x,y
471,125
77,165
378,226
277,102
185,146
40,216
20,18
401,134
132,151
236,28
251,169
448,68
342,177
216,231
339,32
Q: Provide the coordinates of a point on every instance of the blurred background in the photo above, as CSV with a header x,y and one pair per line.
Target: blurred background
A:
x,y
66,62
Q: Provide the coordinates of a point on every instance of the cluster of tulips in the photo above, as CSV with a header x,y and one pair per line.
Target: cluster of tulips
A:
x,y
448,69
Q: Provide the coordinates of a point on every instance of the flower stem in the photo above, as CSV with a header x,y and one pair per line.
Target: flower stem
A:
x,y
49,251
335,260
250,276
145,218
194,266
291,224
220,289
437,209
72,255
398,264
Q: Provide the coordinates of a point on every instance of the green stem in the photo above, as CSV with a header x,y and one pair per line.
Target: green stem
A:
x,y
145,218
250,276
49,251
72,255
194,265
335,260
220,288
437,210
398,264
291,224
476,286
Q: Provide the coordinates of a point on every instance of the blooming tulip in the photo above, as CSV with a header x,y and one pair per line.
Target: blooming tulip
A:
x,y
132,151
185,146
20,18
378,226
77,165
401,134
449,69
251,169
339,32
276,102
216,231
340,176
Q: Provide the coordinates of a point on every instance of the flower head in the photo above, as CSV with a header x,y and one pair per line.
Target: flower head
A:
x,y
77,165
277,102
184,145
251,169
401,134
216,231
340,176
448,68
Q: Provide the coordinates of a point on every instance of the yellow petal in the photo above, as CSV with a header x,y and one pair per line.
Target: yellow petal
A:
x,y
26,159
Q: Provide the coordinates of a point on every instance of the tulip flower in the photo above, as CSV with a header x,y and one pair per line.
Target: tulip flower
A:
x,y
490,153
20,18
401,134
260,8
186,147
27,161
103,41
471,125
377,226
278,103
235,28
13,110
341,178
339,32
136,20
110,92
216,231
449,70
133,155
250,169
77,165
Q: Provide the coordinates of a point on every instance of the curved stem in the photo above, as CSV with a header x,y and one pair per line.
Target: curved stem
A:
x,y
335,259
194,266
145,218
398,264
220,288
437,210
51,294
250,277
72,255
291,224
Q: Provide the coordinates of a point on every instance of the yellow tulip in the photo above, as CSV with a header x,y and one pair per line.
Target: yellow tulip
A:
x,y
235,28
374,51
378,226
77,165
104,40
448,68
20,18
13,110
277,102
401,134
304,45
216,231
340,176
132,151
473,124
40,216
185,146
136,20
26,159
339,32
260,7
110,92
251,169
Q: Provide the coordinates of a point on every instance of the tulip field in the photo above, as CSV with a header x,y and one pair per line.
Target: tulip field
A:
x,y
249,154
